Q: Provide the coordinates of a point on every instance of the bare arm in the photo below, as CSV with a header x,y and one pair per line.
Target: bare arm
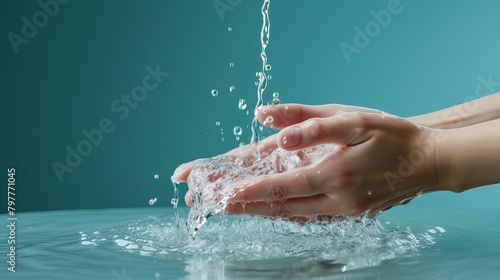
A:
x,y
473,112
469,157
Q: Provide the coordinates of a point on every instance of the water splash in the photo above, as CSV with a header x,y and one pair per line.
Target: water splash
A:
x,y
346,245
214,180
261,87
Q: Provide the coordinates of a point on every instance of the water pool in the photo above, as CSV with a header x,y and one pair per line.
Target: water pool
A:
x,y
413,243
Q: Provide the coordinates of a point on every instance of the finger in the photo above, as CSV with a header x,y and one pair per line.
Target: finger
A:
x,y
296,207
301,182
266,146
289,114
181,173
188,199
348,129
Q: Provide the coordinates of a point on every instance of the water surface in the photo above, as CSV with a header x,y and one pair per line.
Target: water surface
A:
x,y
414,243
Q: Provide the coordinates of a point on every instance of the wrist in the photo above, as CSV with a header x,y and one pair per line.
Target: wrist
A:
x,y
468,157
443,154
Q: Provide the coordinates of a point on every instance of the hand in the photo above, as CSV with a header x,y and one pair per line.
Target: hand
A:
x,y
384,161
266,146
292,114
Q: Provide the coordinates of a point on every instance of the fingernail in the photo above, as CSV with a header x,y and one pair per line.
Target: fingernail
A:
x,y
292,137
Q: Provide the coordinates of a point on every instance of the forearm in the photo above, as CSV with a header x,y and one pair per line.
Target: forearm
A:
x,y
469,113
469,157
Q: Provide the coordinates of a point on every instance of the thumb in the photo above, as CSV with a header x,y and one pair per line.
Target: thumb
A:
x,y
348,129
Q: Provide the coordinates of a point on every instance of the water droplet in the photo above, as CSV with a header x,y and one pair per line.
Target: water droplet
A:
x,y
257,74
217,123
269,119
237,130
231,64
276,94
152,201
229,29
239,161
174,202
242,105
256,83
222,139
268,67
241,144
156,176
261,127
286,107
157,274
232,88
369,192
319,172
276,101
269,77
215,92
237,138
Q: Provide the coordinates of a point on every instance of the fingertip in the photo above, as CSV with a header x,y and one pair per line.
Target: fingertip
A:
x,y
275,116
182,172
290,138
263,112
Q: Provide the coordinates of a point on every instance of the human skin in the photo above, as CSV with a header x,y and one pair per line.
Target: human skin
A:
x,y
384,160
473,112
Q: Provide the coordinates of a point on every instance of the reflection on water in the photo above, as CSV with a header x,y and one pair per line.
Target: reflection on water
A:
x,y
255,247
417,243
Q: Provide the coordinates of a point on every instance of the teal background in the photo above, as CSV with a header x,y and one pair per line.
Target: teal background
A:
x,y
66,77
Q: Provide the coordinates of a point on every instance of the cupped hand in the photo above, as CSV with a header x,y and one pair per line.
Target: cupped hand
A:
x,y
384,160
288,115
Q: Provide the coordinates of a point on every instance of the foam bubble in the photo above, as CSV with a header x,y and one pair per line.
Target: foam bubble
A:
x,y
215,92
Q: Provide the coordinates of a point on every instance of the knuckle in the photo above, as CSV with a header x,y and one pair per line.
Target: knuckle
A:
x,y
316,128
364,122
278,192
